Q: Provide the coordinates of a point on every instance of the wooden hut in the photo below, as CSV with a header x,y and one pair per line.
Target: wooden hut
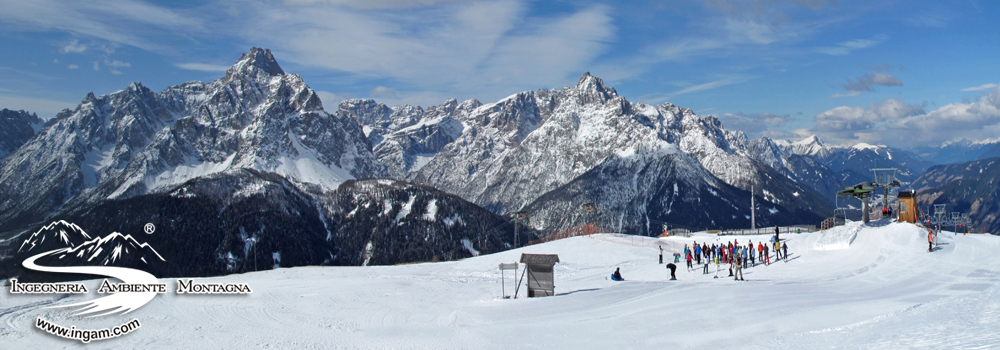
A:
x,y
907,207
539,268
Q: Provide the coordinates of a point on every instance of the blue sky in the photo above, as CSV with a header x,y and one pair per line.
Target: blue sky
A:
x,y
902,73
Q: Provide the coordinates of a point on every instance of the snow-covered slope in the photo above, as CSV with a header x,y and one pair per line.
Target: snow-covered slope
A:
x,y
135,141
883,290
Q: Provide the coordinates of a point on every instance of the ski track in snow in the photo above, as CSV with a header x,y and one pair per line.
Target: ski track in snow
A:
x,y
882,290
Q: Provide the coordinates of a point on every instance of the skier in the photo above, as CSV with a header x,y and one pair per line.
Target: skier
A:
x,y
930,241
732,261
617,276
697,252
661,254
743,251
673,268
716,266
753,262
739,269
767,256
705,271
784,251
688,258
776,232
760,251
777,250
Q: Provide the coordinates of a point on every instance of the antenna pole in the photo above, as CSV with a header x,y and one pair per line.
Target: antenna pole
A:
x,y
753,216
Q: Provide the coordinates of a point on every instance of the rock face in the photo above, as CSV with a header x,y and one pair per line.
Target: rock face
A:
x,y
405,138
510,153
16,128
136,141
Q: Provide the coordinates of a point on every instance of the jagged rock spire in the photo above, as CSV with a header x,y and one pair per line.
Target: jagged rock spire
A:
x,y
255,62
592,89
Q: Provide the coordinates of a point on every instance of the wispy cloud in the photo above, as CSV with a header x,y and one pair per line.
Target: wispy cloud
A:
x,y
981,87
705,86
204,67
482,49
846,47
73,66
865,82
116,21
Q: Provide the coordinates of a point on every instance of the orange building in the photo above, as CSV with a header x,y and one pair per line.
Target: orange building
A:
x,y
907,208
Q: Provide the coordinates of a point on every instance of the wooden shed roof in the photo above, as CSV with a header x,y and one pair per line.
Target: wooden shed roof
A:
x,y
539,259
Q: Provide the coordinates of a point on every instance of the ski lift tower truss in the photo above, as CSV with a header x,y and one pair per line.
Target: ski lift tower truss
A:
x,y
862,192
939,214
886,179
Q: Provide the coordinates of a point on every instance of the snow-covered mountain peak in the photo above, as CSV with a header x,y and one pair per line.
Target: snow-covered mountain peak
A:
x,y
864,146
255,63
592,89
809,141
811,145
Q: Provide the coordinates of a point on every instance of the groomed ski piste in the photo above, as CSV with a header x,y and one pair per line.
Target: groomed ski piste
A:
x,y
851,287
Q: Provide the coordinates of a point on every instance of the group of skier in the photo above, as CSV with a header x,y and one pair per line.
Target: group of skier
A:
x,y
737,256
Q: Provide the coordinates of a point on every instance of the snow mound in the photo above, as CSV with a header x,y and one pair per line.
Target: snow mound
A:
x,y
839,237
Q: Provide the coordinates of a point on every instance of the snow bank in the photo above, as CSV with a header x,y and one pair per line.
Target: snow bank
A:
x,y
839,237
881,290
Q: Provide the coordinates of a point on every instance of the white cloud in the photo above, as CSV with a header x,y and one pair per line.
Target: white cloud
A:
x,y
847,123
893,122
116,64
976,120
981,87
73,66
204,67
846,47
73,46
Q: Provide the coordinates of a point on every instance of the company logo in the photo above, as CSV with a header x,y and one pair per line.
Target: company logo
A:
x,y
70,250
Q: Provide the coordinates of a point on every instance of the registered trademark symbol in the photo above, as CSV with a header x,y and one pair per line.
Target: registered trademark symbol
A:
x,y
149,228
